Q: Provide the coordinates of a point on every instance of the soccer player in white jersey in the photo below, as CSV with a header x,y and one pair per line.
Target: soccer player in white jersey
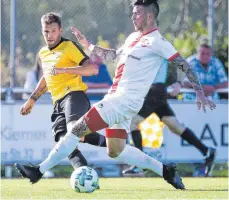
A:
x,y
140,59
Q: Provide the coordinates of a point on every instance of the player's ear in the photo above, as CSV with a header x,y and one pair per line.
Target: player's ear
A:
x,y
61,30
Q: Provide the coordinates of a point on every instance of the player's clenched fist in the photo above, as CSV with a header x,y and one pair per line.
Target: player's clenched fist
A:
x,y
27,107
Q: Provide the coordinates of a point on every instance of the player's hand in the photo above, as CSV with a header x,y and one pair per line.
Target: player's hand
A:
x,y
27,107
175,89
80,37
203,102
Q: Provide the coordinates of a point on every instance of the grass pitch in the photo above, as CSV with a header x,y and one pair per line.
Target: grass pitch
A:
x,y
117,188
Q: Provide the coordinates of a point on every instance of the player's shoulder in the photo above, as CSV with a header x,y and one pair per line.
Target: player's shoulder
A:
x,y
42,51
72,44
159,38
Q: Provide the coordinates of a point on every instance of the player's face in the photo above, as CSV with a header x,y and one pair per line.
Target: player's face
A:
x,y
52,34
139,18
204,55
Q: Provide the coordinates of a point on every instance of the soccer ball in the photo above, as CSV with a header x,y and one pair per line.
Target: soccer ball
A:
x,y
84,179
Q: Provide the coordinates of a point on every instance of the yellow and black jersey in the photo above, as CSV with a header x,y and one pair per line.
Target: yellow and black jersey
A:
x,y
65,54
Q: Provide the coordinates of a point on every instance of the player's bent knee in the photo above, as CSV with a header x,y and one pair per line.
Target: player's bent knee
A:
x,y
116,141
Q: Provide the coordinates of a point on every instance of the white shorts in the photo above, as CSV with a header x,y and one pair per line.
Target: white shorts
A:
x,y
116,112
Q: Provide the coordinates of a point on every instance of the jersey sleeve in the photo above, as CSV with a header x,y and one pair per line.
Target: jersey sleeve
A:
x,y
165,49
76,53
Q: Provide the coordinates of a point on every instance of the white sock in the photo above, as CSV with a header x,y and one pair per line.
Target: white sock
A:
x,y
63,148
133,156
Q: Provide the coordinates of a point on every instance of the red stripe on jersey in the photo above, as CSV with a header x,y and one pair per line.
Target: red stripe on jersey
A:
x,y
134,42
174,56
138,39
116,133
117,78
149,31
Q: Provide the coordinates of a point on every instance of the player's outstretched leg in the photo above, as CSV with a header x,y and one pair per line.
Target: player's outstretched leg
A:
x,y
209,153
90,122
118,150
189,136
137,140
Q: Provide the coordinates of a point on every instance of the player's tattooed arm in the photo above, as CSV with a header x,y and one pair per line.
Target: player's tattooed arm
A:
x,y
39,90
106,54
182,64
202,101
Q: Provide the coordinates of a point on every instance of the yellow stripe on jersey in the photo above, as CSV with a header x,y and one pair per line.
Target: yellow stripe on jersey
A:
x,y
66,54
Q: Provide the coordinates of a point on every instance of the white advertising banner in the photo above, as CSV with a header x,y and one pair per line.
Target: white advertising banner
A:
x,y
29,138
211,128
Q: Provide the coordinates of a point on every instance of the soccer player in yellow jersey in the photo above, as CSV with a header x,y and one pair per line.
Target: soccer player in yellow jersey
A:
x,y
67,90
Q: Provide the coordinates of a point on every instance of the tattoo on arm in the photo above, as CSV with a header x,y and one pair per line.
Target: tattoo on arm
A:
x,y
40,89
181,64
106,54
37,94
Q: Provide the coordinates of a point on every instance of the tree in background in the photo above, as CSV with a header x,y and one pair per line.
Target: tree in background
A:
x,y
108,19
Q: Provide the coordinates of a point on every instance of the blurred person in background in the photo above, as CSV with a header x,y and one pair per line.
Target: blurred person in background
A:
x,y
210,71
102,79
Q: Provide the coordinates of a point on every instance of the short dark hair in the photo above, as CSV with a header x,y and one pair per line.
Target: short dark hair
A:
x,y
151,4
50,18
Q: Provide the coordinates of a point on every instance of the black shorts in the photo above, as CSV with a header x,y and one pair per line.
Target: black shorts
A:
x,y
70,108
156,102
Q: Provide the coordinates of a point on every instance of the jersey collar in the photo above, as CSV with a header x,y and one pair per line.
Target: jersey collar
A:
x,y
155,29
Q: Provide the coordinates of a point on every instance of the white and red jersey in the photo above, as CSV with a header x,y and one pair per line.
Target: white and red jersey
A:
x,y
139,63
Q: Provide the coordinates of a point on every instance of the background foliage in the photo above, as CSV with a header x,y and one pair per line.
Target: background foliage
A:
x,y
108,23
